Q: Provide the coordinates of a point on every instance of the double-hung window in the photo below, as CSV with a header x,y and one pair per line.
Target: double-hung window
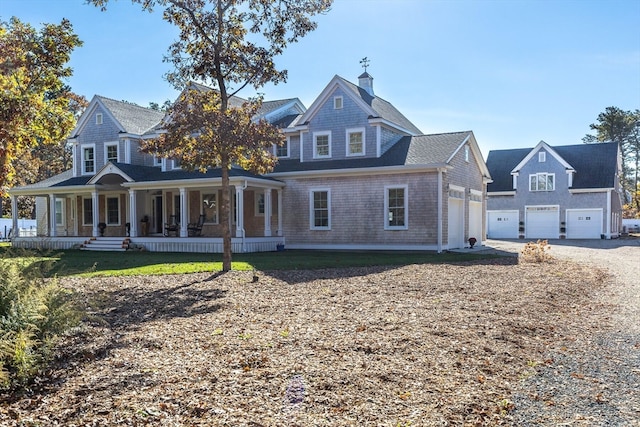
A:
x,y
259,204
87,211
111,152
355,142
60,212
113,210
320,209
88,159
396,208
542,182
283,150
321,145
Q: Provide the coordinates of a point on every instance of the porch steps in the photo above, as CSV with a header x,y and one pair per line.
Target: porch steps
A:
x,y
116,244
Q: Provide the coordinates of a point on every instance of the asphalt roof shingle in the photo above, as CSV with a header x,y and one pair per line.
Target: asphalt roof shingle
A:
x,y
595,165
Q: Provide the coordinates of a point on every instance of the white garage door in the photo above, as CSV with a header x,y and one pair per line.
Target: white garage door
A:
x,y
475,221
542,222
584,223
456,223
502,224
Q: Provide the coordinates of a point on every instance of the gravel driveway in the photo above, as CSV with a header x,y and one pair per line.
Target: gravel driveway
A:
x,y
593,379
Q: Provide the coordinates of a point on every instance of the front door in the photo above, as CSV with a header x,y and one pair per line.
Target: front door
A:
x,y
157,215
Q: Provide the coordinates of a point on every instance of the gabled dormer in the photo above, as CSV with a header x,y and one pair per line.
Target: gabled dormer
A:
x,y
348,120
109,130
541,167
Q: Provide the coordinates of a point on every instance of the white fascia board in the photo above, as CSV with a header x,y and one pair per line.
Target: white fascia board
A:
x,y
535,150
382,170
590,190
295,102
326,93
108,169
123,135
200,182
45,191
295,129
380,121
477,154
500,193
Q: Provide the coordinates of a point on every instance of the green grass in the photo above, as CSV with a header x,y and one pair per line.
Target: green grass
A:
x,y
87,263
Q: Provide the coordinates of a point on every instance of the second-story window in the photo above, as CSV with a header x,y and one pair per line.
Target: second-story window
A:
x,y
88,160
542,182
283,150
111,152
321,145
355,142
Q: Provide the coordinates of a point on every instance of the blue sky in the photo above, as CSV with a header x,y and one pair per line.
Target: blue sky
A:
x,y
513,71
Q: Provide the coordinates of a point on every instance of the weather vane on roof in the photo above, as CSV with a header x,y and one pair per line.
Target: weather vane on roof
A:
x,y
365,63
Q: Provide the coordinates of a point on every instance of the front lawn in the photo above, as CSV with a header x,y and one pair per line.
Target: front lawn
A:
x,y
89,264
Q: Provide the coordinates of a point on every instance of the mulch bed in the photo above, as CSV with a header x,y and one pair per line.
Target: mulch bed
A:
x,y
419,345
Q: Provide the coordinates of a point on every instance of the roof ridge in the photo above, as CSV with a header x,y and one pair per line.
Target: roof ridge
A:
x,y
127,103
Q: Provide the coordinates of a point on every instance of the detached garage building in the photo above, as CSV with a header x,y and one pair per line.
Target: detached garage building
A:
x,y
570,191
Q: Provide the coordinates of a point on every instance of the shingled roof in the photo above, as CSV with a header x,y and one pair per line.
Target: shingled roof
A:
x,y
595,165
422,150
383,108
133,118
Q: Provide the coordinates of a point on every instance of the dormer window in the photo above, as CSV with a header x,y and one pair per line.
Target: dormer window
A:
x,y
176,163
88,159
542,157
157,161
542,182
111,152
283,150
99,118
337,103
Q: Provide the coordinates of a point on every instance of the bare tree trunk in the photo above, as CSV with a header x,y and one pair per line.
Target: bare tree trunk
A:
x,y
225,214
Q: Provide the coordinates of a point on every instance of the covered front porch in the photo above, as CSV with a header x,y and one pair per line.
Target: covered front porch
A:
x,y
172,215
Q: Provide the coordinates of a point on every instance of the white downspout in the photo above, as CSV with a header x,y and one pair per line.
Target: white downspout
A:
x,y
608,232
439,237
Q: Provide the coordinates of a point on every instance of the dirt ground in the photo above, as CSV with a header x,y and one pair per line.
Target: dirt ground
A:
x,y
418,345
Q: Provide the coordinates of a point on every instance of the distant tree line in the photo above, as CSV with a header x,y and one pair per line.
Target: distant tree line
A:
x,y
615,125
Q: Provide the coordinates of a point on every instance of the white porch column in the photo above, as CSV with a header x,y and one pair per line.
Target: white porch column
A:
x,y
239,211
267,212
184,215
133,209
95,206
52,215
14,216
280,212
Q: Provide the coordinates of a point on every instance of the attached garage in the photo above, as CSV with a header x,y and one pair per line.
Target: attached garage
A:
x,y
475,220
456,223
542,222
584,223
502,224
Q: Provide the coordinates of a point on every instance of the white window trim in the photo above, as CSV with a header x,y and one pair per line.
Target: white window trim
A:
x,y
312,225
173,165
82,163
106,210
157,161
542,156
287,146
256,200
466,153
386,207
338,103
91,203
106,150
348,146
99,118
61,211
315,147
214,193
540,174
